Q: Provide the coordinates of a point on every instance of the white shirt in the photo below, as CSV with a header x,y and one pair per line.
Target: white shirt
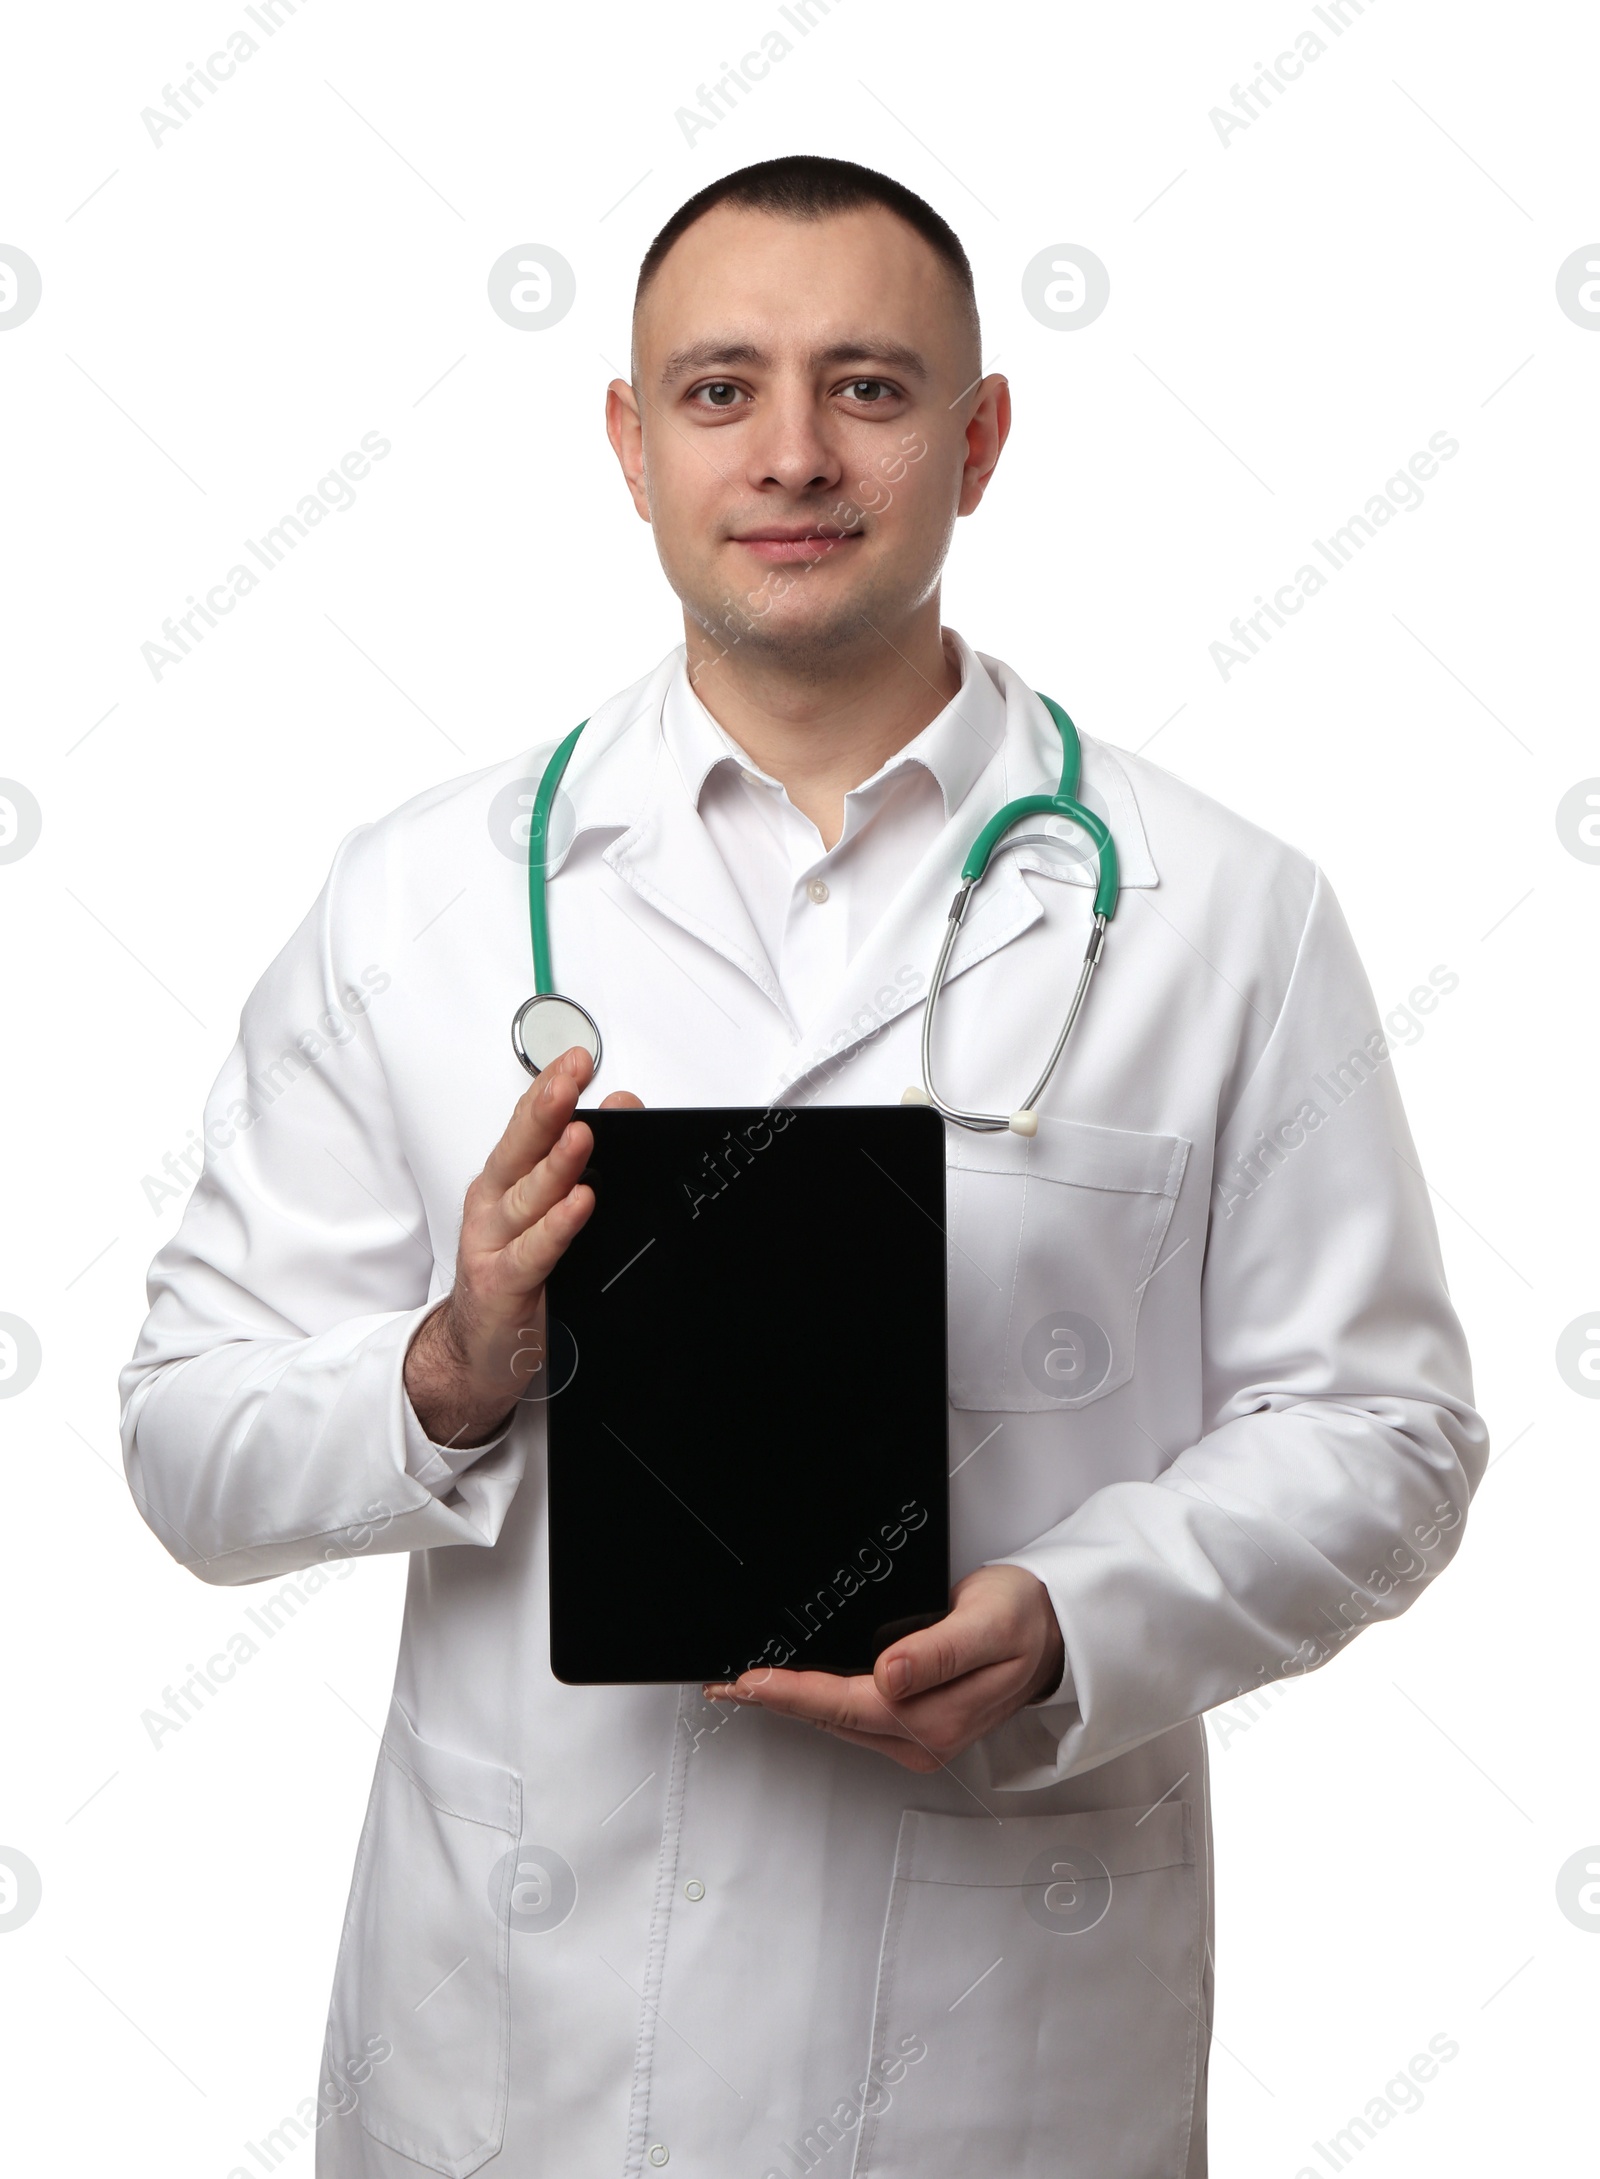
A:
x,y
814,907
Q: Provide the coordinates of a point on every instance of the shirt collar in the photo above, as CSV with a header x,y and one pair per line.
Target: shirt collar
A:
x,y
955,747
622,764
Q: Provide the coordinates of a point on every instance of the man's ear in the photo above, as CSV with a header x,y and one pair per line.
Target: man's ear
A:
x,y
988,428
625,430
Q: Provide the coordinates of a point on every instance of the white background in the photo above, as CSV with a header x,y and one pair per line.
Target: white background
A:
x,y
1292,315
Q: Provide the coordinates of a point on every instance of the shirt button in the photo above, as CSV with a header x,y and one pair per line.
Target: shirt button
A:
x,y
658,2152
694,1889
817,891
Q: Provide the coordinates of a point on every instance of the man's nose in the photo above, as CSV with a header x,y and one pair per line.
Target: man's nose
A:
x,y
793,448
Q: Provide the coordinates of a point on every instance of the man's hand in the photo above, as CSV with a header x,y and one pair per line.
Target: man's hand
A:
x,y
483,1348
933,1694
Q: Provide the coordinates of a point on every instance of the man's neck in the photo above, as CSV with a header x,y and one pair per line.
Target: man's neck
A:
x,y
823,735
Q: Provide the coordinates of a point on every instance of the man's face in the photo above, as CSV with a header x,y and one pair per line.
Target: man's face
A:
x,y
806,421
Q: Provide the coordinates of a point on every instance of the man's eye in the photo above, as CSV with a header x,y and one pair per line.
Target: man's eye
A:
x,y
718,395
868,389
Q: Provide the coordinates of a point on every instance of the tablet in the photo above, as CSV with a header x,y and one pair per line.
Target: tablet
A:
x,y
747,1403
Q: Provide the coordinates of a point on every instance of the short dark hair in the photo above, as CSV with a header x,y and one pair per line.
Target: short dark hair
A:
x,y
804,187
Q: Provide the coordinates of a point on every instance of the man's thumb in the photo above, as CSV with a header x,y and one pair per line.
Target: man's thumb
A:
x,y
926,1659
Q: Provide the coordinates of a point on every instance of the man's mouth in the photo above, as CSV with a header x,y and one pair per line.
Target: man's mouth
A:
x,y
782,543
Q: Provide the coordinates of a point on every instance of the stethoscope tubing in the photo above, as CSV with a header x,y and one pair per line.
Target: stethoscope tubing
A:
x,y
1063,803
991,1123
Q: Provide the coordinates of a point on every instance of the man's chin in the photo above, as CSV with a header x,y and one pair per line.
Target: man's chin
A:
x,y
819,612
802,642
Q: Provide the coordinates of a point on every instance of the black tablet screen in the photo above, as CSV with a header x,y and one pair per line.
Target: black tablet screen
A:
x,y
747,1394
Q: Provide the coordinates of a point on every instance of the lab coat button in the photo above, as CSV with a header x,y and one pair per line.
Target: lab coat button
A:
x,y
694,1889
658,2152
818,891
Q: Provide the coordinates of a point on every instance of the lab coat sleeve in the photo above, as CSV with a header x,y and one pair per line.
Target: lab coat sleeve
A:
x,y
1340,1446
438,1465
265,1423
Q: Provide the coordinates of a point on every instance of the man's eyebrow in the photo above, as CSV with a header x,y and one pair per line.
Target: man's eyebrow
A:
x,y
701,355
705,355
868,348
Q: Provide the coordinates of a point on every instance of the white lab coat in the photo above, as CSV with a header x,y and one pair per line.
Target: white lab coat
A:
x,y
1224,1411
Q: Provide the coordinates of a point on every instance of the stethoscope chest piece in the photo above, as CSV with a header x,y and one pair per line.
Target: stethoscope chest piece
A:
x,y
547,1025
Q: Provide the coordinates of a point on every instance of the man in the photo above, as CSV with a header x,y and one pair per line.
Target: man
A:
x,y
1210,1405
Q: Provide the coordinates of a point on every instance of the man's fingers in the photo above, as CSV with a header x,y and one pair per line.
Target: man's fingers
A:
x,y
534,1193
923,1732
537,1119
967,1637
545,1208
909,1754
832,1700
530,1256
549,1192
824,1698
932,1695
534,1165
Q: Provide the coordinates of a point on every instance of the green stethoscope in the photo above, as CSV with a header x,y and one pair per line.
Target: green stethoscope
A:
x,y
549,1023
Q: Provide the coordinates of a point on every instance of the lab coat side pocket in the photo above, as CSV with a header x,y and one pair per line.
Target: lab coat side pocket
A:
x,y
1052,1243
424,1961
1038,2003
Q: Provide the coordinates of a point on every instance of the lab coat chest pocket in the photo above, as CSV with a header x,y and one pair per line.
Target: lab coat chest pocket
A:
x,y
1052,1242
1038,2001
424,1962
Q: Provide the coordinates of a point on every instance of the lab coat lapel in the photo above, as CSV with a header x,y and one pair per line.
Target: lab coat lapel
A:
x,y
892,971
671,862
622,779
